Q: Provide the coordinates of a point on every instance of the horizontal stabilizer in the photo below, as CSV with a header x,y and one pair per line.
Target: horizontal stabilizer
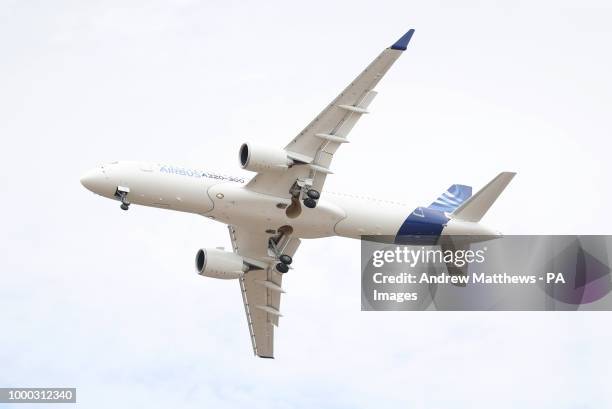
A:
x,y
475,207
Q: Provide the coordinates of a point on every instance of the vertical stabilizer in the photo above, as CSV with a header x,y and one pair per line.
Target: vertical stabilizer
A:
x,y
452,198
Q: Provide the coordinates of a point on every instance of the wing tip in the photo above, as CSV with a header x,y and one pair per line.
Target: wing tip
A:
x,y
402,43
266,357
507,176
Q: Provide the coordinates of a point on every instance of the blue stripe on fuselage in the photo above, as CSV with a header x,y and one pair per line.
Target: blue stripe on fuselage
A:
x,y
423,226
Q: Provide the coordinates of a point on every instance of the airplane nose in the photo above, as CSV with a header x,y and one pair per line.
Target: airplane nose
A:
x,y
94,180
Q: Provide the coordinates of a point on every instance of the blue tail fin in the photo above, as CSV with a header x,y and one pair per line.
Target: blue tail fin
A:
x,y
452,198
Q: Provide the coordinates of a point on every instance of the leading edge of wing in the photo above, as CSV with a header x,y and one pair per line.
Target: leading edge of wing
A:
x,y
402,43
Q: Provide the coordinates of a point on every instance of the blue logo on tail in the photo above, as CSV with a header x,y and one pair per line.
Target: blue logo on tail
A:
x,y
452,198
425,224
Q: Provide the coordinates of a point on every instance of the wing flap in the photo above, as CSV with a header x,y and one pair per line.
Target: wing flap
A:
x,y
261,325
261,288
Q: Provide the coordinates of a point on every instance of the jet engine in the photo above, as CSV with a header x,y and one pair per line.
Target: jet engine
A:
x,y
258,158
222,264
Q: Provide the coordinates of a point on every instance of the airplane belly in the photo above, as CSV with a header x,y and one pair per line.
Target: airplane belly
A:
x,y
235,205
369,218
192,197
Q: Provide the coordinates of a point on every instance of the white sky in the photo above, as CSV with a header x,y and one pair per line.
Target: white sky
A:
x,y
108,301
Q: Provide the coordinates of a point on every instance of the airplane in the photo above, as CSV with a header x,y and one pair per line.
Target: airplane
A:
x,y
268,215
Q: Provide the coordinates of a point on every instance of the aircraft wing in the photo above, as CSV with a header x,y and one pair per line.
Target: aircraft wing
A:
x,y
313,148
261,287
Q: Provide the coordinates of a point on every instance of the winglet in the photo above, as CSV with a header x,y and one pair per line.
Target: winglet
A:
x,y
402,43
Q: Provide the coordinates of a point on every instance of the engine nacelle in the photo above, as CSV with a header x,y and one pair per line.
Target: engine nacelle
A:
x,y
258,158
219,264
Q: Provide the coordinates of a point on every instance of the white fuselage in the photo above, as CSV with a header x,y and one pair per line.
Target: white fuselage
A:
x,y
225,199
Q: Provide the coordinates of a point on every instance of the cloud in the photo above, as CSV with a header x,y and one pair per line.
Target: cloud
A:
x,y
108,301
